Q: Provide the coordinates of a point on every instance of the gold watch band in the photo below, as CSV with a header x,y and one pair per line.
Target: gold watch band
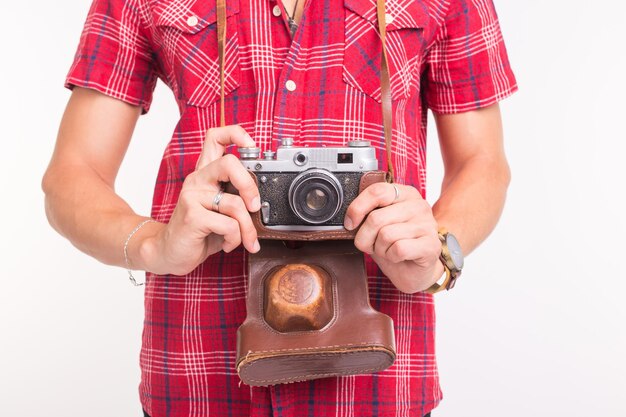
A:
x,y
451,275
435,288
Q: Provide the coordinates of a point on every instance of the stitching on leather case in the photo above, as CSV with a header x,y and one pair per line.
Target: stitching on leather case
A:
x,y
312,236
307,376
320,347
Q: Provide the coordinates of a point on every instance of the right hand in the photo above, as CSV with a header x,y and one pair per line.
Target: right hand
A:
x,y
195,231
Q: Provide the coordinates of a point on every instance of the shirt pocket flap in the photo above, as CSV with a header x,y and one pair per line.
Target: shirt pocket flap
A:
x,y
401,14
190,17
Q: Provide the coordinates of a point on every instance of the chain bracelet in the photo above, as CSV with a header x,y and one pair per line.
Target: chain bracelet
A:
x,y
130,235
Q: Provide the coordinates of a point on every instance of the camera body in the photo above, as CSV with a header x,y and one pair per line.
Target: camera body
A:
x,y
308,189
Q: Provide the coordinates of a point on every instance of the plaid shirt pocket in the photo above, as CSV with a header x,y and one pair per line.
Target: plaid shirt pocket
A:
x,y
186,41
406,46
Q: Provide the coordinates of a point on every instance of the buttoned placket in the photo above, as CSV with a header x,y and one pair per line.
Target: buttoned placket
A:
x,y
287,104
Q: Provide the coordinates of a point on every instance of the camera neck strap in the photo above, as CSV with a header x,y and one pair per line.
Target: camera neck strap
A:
x,y
385,87
221,47
385,84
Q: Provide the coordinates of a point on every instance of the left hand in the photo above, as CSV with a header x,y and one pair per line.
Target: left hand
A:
x,y
399,233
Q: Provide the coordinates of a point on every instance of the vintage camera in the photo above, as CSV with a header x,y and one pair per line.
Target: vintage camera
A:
x,y
308,310
308,189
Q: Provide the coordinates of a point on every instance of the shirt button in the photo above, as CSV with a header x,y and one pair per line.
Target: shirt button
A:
x,y
276,11
192,21
388,18
291,86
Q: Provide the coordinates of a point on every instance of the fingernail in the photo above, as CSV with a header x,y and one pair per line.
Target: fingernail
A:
x,y
256,204
347,223
249,138
257,246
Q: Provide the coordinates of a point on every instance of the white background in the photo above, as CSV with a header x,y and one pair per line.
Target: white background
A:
x,y
534,328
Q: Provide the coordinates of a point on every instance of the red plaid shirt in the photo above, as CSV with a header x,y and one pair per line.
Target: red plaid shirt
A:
x,y
321,89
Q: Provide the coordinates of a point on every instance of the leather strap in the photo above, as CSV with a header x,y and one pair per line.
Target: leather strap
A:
x,y
385,84
221,45
385,87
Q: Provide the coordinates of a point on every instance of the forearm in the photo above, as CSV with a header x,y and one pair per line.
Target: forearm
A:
x,y
81,203
476,174
400,228
472,198
87,211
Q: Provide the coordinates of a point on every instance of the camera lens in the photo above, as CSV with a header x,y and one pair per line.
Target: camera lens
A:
x,y
315,196
316,199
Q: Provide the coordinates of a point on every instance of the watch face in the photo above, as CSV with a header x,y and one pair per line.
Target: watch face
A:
x,y
455,251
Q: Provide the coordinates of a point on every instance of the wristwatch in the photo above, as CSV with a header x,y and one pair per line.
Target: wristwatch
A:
x,y
452,259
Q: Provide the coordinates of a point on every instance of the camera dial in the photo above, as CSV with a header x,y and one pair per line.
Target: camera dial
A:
x,y
359,144
249,153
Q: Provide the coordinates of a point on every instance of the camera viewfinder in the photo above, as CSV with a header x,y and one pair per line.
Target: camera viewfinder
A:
x,y
344,158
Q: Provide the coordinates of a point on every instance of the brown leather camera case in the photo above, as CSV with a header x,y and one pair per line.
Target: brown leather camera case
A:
x,y
309,316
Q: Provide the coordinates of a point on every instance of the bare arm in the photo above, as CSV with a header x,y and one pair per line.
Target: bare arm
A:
x,y
82,205
401,234
476,174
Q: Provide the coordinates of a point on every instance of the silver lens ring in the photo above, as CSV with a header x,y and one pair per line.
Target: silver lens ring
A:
x,y
320,179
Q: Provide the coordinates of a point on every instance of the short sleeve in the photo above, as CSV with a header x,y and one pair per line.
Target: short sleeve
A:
x,y
114,55
467,66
